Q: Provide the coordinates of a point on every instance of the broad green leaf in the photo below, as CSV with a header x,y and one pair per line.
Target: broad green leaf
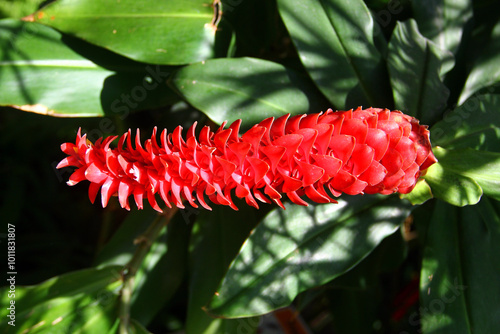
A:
x,y
247,88
474,124
41,74
45,73
352,299
303,247
165,32
443,21
460,270
355,298
415,64
480,166
456,189
335,43
78,302
485,71
420,194
218,236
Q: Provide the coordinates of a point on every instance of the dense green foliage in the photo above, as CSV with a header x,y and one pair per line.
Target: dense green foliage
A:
x,y
426,262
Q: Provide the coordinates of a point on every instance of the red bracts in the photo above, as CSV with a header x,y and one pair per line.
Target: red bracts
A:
x,y
316,155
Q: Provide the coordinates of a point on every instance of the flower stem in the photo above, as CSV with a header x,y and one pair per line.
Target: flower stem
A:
x,y
128,273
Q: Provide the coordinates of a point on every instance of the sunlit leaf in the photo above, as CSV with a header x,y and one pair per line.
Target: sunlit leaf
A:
x,y
335,43
480,166
41,74
420,194
415,64
474,124
458,285
303,247
77,302
454,188
165,32
45,73
443,21
485,71
218,237
247,88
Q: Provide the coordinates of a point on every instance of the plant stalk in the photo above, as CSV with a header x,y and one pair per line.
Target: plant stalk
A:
x,y
128,273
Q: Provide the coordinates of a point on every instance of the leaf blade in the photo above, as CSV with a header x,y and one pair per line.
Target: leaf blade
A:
x,y
72,301
414,67
300,248
458,263
247,88
126,27
36,54
335,44
485,71
474,124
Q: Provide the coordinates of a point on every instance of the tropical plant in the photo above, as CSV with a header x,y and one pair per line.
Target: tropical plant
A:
x,y
419,262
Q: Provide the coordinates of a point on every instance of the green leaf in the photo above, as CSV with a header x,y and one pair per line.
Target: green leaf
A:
x,y
480,166
414,65
335,43
301,248
460,267
45,73
41,74
166,32
353,300
247,88
443,21
218,235
78,302
474,124
420,194
451,187
485,71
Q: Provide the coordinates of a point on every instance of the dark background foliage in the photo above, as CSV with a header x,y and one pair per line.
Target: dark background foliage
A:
x,y
431,267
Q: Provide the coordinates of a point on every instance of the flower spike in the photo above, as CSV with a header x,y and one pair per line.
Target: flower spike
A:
x,y
354,152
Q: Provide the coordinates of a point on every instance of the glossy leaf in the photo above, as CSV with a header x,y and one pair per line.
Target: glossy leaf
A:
x,y
219,235
303,247
415,65
353,300
45,73
335,43
41,74
454,188
420,194
474,124
443,21
482,167
167,32
459,286
247,88
81,301
485,71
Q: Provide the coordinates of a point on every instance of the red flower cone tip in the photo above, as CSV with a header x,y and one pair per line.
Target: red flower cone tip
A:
x,y
315,155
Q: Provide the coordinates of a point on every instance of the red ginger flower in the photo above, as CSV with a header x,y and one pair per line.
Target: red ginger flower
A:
x,y
354,152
